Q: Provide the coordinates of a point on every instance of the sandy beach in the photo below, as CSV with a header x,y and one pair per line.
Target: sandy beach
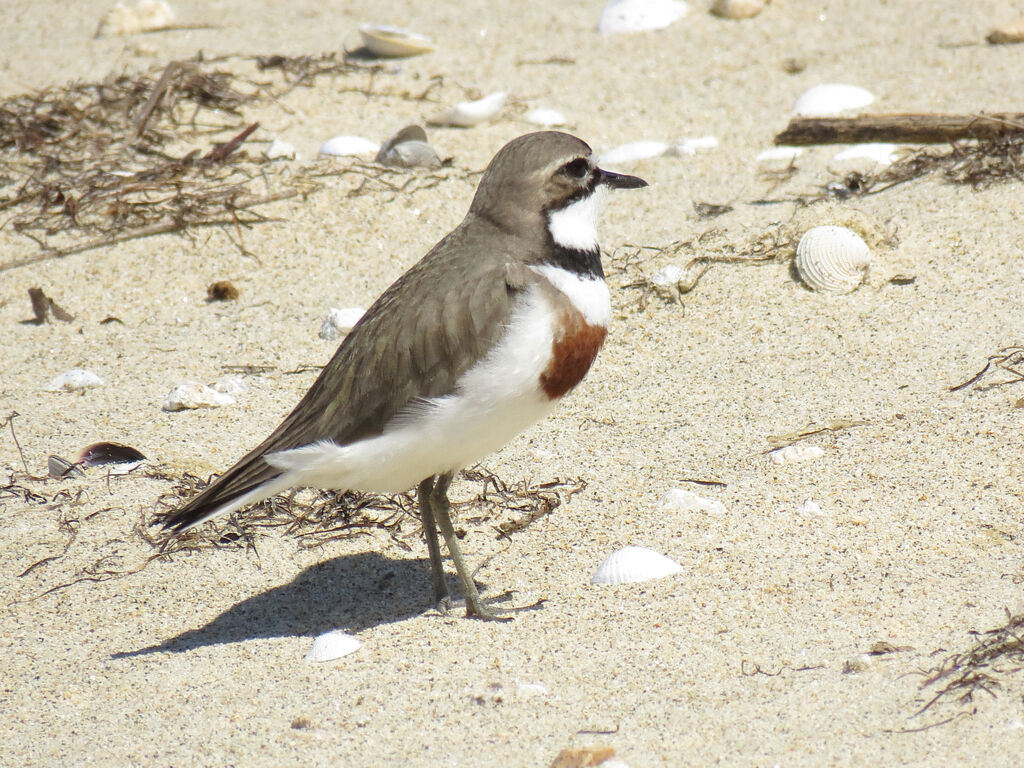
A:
x,y
815,603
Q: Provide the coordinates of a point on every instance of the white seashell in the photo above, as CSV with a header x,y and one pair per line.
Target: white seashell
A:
x,y
1011,32
190,395
793,454
469,113
636,150
154,14
394,42
545,117
690,146
531,689
832,259
810,507
75,380
278,150
779,155
332,645
830,99
639,15
146,16
668,275
682,500
737,9
408,149
633,564
863,157
231,384
341,146
339,322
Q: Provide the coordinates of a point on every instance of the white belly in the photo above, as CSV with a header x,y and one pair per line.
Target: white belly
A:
x,y
493,402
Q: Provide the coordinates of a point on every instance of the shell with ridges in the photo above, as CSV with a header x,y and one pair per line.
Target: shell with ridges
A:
x,y
634,564
832,259
639,15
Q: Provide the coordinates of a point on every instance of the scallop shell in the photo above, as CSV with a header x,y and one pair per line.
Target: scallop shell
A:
x,y
634,564
830,99
635,150
832,259
545,117
339,322
793,454
190,395
75,380
737,9
394,42
466,114
639,15
332,645
341,146
408,149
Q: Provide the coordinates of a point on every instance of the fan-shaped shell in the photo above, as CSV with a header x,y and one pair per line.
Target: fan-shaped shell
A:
x,y
633,564
333,645
393,42
408,149
832,259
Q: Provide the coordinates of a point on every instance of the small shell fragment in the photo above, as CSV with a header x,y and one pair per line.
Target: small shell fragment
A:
x,y
863,158
279,150
635,150
545,117
779,156
858,663
394,42
1011,32
737,9
639,15
332,645
146,16
466,114
190,395
832,259
810,507
339,322
408,149
342,146
231,384
829,99
690,146
75,380
793,454
634,564
682,500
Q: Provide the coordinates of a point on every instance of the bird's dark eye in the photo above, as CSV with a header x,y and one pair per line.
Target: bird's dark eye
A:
x,y
577,168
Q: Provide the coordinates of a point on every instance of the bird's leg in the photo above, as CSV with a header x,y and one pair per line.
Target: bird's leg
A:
x,y
439,503
441,597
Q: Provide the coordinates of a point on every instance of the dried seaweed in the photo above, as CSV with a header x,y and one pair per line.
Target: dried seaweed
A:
x,y
317,517
979,164
998,654
1007,364
93,164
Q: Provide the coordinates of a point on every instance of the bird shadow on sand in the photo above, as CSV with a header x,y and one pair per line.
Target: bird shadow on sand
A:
x,y
351,592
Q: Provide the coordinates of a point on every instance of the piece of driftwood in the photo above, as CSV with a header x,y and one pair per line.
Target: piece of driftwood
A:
x,y
899,129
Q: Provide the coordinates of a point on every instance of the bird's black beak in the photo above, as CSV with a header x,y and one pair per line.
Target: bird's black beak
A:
x,y
619,180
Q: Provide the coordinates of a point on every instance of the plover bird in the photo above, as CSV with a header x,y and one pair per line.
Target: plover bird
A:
x,y
471,346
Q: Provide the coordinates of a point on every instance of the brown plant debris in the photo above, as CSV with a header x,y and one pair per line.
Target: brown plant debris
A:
x,y
316,517
1007,364
93,164
221,290
43,307
997,654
